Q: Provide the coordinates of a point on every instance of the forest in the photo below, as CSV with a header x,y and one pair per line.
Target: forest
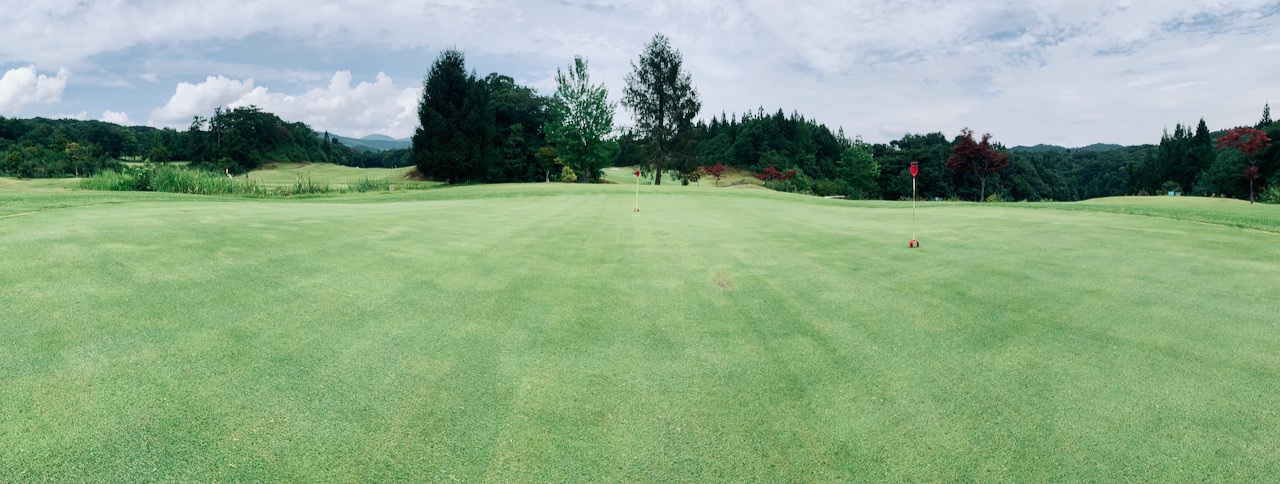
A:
x,y
493,130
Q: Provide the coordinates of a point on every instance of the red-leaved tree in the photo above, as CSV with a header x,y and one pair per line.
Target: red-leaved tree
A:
x,y
769,173
979,158
1249,141
716,171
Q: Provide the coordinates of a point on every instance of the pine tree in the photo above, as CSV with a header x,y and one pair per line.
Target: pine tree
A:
x,y
662,97
454,139
1199,157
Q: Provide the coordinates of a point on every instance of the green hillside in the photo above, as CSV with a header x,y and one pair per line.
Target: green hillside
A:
x,y
374,143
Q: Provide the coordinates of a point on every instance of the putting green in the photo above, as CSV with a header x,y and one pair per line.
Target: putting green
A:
x,y
548,332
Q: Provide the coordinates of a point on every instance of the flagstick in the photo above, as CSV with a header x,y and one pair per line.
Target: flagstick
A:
x,y
913,208
637,190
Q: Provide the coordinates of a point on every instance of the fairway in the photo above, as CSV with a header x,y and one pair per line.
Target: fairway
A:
x,y
289,173
546,332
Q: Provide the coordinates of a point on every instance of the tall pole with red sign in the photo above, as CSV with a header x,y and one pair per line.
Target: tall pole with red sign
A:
x,y
637,190
915,170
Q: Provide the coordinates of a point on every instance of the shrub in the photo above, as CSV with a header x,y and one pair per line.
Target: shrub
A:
x,y
369,185
1271,194
109,180
568,176
827,188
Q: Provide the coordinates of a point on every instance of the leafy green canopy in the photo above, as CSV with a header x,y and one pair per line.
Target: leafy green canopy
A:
x,y
581,119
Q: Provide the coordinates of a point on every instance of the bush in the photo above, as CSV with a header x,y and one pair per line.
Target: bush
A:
x,y
369,185
110,181
1271,194
827,188
307,186
568,176
996,197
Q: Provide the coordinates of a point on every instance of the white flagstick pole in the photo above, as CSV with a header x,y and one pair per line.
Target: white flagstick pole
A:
x,y
637,190
913,208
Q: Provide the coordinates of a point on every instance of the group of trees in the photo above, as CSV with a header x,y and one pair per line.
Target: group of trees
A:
x,y
492,130
37,148
235,140
1204,163
241,139
474,129
466,137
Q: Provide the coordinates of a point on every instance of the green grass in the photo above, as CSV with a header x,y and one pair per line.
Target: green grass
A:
x,y
1221,211
27,184
545,332
733,178
288,173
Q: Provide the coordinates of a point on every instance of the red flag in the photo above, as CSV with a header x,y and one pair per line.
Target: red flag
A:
x,y
915,169
637,172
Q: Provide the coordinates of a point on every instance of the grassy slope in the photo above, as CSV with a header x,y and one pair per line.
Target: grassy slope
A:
x,y
27,184
546,332
287,173
733,177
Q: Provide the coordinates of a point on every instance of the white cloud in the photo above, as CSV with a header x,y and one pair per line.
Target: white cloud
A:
x,y
366,108
23,86
190,100
119,118
1027,70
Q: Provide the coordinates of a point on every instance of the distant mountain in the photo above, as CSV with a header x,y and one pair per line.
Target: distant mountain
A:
x,y
375,142
1100,147
1042,148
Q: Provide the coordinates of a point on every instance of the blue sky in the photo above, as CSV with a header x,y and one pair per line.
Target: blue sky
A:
x,y
1059,72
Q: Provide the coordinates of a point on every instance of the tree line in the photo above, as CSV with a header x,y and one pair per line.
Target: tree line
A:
x,y
491,129
232,140
466,137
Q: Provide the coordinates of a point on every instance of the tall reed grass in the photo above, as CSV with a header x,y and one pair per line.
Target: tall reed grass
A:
x,y
178,179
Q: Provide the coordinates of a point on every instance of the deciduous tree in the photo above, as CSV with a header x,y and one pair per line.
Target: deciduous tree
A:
x,y
979,158
1250,142
716,171
581,120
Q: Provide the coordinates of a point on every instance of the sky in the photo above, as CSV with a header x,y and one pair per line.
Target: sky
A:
x,y
1069,73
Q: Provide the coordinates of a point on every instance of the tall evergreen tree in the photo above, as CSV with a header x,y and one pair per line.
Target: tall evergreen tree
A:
x,y
581,119
1199,157
454,139
662,97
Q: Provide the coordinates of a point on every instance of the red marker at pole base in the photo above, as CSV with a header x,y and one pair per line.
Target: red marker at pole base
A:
x,y
913,244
